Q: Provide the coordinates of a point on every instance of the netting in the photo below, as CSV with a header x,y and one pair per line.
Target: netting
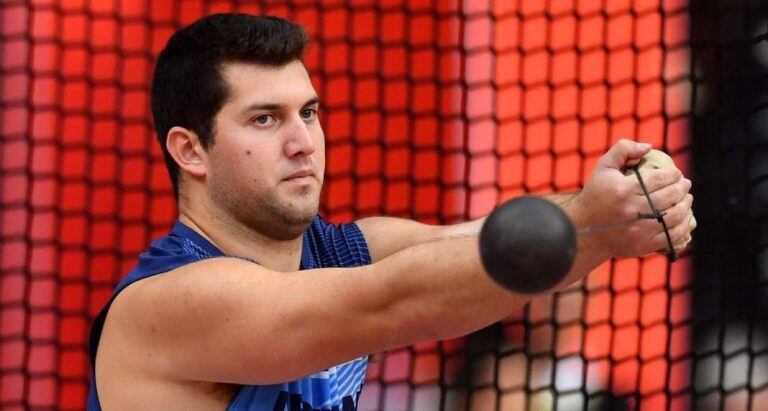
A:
x,y
730,161
434,110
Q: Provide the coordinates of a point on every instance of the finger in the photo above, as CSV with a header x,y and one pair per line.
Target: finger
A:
x,y
682,244
679,213
672,216
670,195
623,152
677,234
657,179
632,163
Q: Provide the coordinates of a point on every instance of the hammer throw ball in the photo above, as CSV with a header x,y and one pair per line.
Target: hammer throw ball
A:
x,y
527,245
654,160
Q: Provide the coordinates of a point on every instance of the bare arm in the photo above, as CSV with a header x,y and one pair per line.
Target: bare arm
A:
x,y
228,320
388,235
608,196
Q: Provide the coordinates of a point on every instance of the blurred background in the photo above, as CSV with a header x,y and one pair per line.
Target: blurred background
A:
x,y
434,110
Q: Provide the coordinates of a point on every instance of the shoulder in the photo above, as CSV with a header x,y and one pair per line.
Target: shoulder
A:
x,y
171,302
185,285
151,330
153,313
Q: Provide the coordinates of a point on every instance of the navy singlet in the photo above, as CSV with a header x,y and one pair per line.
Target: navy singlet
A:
x,y
325,245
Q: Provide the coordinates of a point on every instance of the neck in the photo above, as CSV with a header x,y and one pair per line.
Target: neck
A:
x,y
235,239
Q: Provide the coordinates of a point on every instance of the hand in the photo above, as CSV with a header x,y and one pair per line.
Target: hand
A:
x,y
611,196
656,159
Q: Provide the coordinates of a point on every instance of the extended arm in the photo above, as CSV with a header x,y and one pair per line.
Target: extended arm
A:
x,y
388,235
229,320
608,196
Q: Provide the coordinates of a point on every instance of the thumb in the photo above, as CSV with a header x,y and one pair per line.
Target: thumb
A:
x,y
623,154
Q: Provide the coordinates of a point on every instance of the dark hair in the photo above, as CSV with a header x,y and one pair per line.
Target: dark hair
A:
x,y
188,89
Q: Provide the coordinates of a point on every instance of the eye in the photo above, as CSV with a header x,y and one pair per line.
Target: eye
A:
x,y
264,119
308,113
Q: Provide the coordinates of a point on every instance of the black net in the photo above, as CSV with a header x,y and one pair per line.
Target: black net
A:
x,y
730,162
434,110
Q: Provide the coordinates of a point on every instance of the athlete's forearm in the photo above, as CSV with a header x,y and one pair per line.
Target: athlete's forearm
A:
x,y
590,253
437,288
473,227
440,290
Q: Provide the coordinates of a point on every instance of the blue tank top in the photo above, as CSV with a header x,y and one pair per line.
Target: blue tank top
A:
x,y
325,245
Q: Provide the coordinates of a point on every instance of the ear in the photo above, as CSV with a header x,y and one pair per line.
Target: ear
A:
x,y
185,148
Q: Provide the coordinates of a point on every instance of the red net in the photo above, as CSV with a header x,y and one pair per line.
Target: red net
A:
x,y
433,110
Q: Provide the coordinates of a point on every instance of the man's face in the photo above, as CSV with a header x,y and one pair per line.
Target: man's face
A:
x,y
267,163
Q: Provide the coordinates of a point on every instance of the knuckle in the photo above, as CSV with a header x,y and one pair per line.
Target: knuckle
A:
x,y
620,192
673,175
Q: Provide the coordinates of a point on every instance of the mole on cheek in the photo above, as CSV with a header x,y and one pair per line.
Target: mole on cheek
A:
x,y
248,152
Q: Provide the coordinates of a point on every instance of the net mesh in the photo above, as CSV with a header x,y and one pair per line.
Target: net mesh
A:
x,y
434,110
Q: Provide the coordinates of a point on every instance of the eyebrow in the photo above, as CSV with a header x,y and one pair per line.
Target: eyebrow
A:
x,y
275,106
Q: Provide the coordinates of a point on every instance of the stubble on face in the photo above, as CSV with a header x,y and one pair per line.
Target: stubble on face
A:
x,y
250,190
266,211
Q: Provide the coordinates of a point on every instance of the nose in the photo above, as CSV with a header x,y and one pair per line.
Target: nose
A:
x,y
298,138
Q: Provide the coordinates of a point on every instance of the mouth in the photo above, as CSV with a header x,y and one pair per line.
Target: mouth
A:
x,y
301,177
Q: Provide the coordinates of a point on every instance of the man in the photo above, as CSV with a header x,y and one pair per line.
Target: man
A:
x,y
253,301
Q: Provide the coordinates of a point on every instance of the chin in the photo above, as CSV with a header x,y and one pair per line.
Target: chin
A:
x,y
290,231
285,216
302,207
296,221
306,216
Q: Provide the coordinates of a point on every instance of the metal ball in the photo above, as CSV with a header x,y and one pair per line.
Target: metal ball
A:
x,y
528,245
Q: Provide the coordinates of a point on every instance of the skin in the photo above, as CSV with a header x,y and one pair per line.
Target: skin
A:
x,y
185,338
